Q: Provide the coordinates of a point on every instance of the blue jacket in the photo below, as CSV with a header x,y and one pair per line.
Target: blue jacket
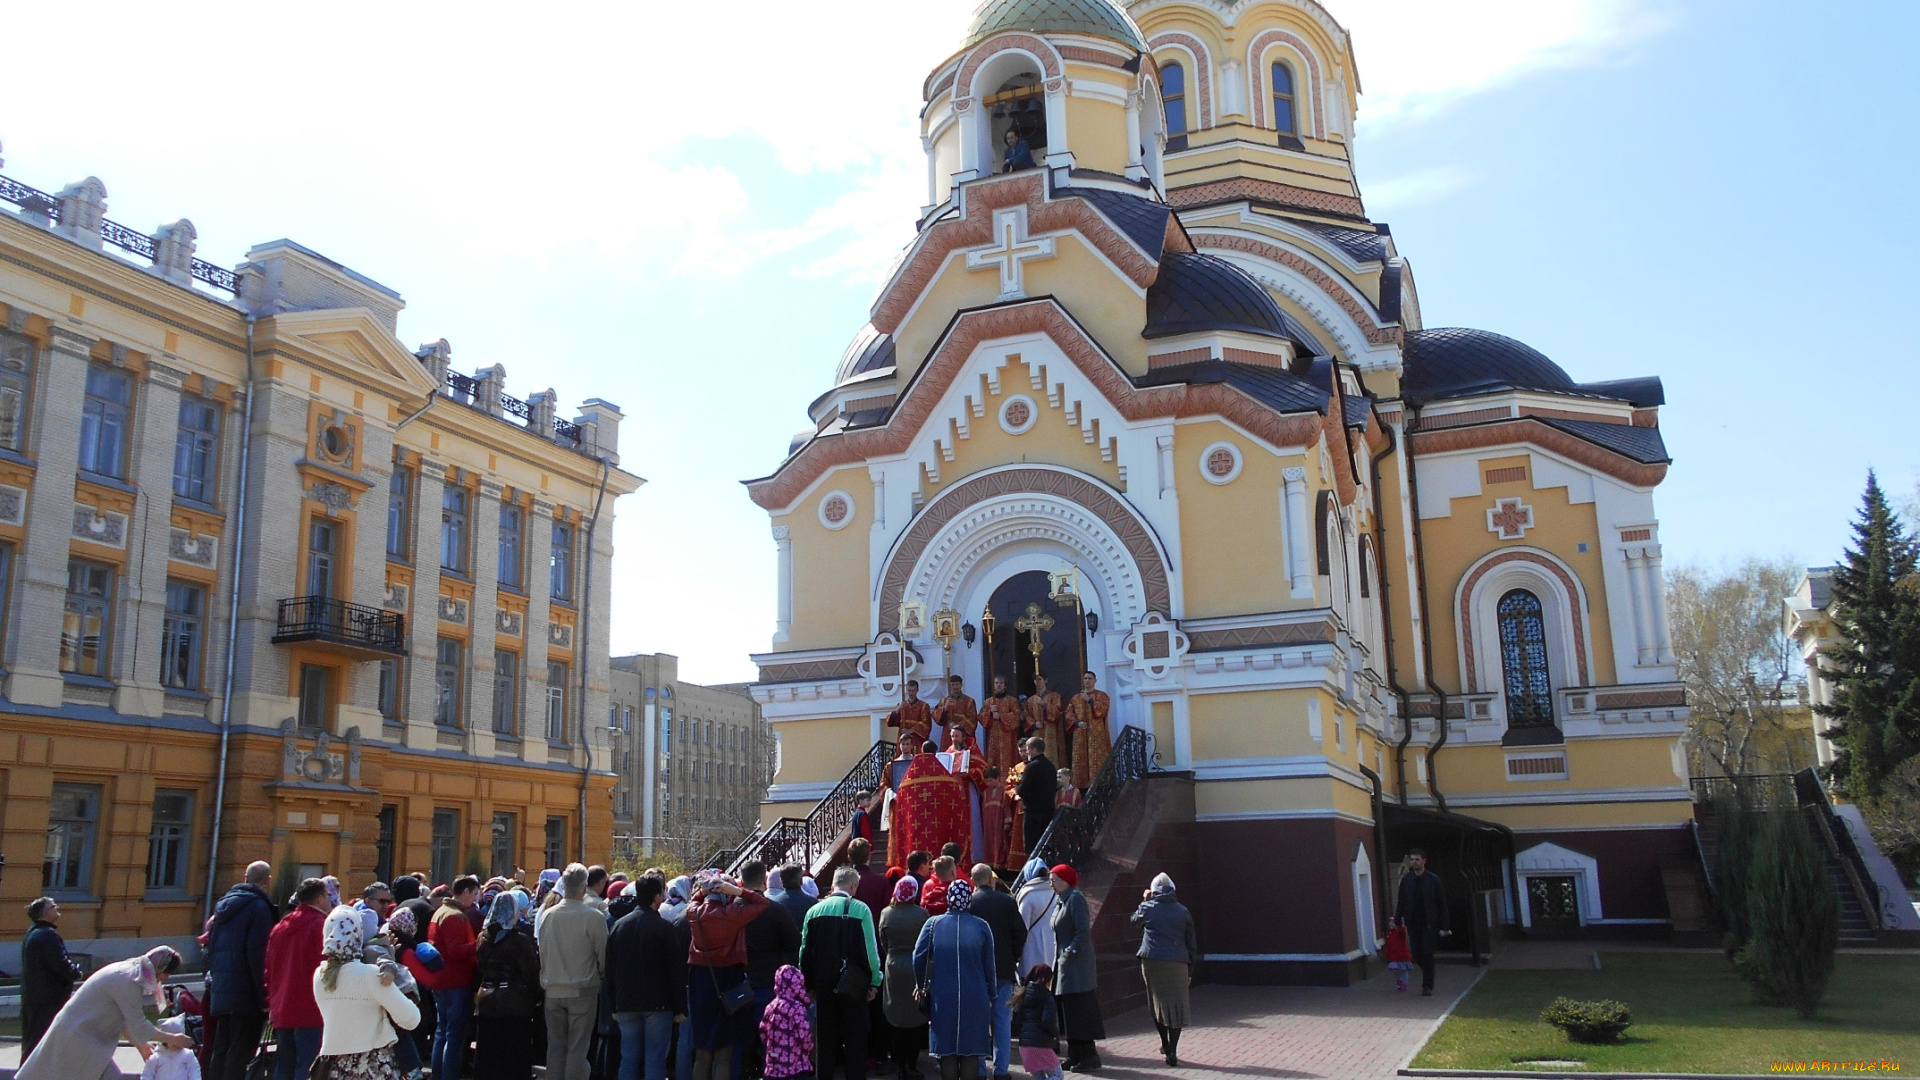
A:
x,y
237,952
1166,930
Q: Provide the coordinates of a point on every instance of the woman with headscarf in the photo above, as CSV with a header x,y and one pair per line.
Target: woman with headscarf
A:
x,y
900,925
1169,949
79,1044
716,963
953,962
509,995
359,1006
1037,902
404,934
1075,975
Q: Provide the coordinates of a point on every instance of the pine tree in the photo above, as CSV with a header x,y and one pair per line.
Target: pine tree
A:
x,y
1876,672
286,879
1792,915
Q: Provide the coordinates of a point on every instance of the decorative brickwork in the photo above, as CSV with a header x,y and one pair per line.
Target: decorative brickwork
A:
x,y
1576,617
1362,315
1266,192
999,43
1529,431
1262,81
1202,76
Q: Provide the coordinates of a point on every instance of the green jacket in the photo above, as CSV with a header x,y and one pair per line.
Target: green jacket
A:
x,y
831,912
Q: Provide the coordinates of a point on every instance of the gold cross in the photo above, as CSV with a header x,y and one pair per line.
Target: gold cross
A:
x,y
1034,623
1010,251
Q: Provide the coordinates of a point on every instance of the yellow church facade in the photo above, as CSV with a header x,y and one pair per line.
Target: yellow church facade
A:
x,y
1333,561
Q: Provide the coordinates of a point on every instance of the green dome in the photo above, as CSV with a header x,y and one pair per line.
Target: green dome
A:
x,y
1097,18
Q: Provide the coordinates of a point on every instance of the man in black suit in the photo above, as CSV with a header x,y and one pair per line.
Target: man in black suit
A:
x,y
1038,786
1422,909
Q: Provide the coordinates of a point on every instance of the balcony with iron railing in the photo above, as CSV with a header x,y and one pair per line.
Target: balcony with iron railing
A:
x,y
352,630
33,201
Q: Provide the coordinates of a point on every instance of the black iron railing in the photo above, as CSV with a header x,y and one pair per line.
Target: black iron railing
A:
x,y
1757,790
806,840
1071,836
467,389
36,201
1838,839
324,618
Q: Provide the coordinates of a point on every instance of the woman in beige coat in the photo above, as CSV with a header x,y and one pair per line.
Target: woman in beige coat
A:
x,y
80,1044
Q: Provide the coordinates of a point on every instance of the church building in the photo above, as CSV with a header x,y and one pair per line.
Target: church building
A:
x,y
1359,579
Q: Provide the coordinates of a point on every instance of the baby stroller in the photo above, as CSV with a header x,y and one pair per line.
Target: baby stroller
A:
x,y
184,1003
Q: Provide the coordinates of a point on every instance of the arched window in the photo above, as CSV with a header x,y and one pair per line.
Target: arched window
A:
x,y
1523,657
1284,119
1173,97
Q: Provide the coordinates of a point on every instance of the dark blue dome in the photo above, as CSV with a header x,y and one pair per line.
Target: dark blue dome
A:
x,y
1454,361
1203,293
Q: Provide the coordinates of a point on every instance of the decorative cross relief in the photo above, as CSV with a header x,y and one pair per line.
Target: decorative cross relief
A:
x,y
1509,519
1156,645
888,660
1011,250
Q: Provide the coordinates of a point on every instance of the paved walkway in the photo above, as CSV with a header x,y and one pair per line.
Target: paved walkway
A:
x,y
126,1057
1362,1032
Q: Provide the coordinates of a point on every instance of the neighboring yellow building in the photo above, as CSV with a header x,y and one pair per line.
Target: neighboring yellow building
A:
x,y
1146,333
412,673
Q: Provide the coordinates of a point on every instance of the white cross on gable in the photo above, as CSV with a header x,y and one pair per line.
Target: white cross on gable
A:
x,y
1011,249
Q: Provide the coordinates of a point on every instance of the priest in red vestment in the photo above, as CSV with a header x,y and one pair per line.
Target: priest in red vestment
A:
x,y
1001,714
914,718
957,710
933,808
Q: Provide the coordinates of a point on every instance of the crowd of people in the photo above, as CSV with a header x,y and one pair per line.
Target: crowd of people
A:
x,y
594,974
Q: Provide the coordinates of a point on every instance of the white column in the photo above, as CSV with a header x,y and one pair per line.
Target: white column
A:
x,y
1164,444
483,569
1657,606
783,587
1299,540
651,762
1136,167
143,596
971,140
1642,627
423,606
538,631
1059,149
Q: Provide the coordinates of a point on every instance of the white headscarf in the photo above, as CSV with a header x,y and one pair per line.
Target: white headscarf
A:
x,y
146,972
1162,885
679,892
342,940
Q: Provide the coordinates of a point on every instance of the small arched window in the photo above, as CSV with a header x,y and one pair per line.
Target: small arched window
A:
x,y
1523,656
1284,119
1173,98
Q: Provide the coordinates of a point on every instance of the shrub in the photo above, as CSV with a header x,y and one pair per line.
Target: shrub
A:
x,y
1741,825
1588,1021
1793,917
286,879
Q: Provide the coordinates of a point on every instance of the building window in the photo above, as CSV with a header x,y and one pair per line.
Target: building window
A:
x,y
626,714
506,691
103,421
512,523
315,683
447,668
453,528
6,586
560,576
399,511
87,629
196,449
1523,656
503,856
556,852
322,539
556,701
181,635
1173,97
390,693
383,844
72,818
167,841
445,851
16,375
1283,115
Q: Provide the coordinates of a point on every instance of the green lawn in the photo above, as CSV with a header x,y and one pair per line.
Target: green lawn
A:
x,y
1690,1014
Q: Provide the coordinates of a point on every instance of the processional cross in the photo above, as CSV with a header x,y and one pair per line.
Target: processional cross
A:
x,y
1033,624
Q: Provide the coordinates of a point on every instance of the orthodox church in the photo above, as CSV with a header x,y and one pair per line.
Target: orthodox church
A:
x,y
1149,395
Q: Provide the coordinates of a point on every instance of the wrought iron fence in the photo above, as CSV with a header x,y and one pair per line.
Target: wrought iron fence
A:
x,y
467,390
1839,839
1747,789
806,840
325,618
1071,836
35,201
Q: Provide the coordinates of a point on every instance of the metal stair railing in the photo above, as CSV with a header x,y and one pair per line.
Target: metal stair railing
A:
x,y
1071,836
806,840
1838,840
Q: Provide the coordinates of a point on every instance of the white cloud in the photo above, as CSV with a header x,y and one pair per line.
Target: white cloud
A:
x,y
1418,57
1416,188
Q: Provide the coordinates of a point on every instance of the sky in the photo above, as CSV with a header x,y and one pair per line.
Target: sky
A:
x,y
686,210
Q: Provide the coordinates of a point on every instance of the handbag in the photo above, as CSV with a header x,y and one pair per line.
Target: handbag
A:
x,y
264,1058
850,985
736,997
503,999
922,999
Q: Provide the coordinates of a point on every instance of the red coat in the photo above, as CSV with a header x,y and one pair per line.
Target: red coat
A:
x,y
717,928
293,955
1396,951
453,935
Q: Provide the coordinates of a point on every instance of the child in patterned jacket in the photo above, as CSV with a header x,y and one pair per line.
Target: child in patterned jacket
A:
x,y
784,1028
1398,956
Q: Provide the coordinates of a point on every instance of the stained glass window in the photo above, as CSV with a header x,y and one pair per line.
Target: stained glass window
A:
x,y
1523,655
